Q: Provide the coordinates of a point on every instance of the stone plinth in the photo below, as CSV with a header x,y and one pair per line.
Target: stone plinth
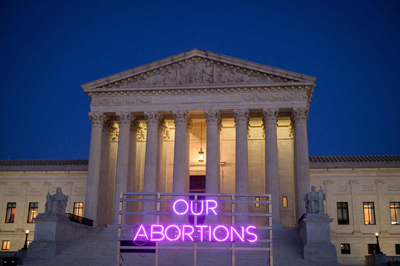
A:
x,y
376,260
53,232
315,234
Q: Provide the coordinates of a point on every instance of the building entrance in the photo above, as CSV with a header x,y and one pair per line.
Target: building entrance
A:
x,y
197,185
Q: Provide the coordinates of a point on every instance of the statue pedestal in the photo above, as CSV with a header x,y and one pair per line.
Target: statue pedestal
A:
x,y
376,260
315,233
53,232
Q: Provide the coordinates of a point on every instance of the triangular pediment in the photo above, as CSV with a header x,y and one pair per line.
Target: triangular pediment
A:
x,y
199,68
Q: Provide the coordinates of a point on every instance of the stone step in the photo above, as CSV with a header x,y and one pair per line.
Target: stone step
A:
x,y
99,247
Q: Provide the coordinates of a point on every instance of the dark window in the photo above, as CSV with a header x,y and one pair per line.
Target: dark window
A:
x,y
10,214
78,209
345,248
371,248
197,185
394,212
369,213
33,211
397,249
5,245
342,213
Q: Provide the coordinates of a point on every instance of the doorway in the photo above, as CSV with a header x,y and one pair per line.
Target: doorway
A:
x,y
197,184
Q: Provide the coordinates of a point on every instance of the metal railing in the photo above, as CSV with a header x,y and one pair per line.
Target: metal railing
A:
x,y
79,219
161,201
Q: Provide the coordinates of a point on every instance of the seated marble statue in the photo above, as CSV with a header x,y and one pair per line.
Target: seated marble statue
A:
x,y
315,201
56,203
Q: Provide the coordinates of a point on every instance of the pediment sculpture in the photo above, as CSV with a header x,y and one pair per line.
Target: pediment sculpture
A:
x,y
198,72
56,203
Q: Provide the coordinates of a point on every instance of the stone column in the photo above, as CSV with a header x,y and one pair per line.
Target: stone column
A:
x,y
133,180
302,169
121,179
357,209
213,120
241,164
92,185
150,163
114,132
181,118
270,118
189,127
160,183
104,175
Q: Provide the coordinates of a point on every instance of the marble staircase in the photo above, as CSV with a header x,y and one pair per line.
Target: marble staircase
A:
x,y
99,247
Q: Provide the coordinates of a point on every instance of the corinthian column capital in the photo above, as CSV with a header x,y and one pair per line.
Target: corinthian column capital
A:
x,y
152,118
181,117
212,116
124,118
299,114
241,116
270,115
97,119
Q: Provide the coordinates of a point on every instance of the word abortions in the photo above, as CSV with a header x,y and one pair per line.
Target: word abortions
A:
x,y
219,233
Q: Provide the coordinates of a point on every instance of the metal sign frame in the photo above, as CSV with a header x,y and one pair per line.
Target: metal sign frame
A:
x,y
234,199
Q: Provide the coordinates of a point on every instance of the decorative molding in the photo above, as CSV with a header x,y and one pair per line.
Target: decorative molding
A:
x,y
79,189
379,181
3,184
69,183
394,187
342,188
114,134
189,96
97,119
328,182
152,118
46,184
353,182
299,114
124,118
35,189
180,117
367,187
270,115
24,184
212,116
141,135
241,116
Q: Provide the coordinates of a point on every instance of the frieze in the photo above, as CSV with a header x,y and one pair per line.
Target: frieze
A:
x,y
197,71
171,99
393,187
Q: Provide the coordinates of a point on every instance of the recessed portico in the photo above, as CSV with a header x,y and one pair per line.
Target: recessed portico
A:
x,y
160,109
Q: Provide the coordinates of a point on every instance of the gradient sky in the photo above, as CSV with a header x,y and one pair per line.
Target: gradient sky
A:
x,y
49,48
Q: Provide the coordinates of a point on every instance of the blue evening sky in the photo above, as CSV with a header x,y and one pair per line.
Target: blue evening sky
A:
x,y
49,48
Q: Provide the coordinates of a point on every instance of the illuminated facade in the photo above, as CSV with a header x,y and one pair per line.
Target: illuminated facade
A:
x,y
204,122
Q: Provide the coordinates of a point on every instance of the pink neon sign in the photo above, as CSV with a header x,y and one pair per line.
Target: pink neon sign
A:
x,y
219,233
191,233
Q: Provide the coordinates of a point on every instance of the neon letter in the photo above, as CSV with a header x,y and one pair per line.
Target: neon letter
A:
x,y
192,209
180,213
209,234
255,236
227,233
201,231
188,234
233,230
172,239
152,232
141,227
208,207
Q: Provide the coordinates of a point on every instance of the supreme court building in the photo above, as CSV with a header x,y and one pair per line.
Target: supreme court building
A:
x,y
204,122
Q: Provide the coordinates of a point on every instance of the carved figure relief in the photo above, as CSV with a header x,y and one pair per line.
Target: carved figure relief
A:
x,y
198,71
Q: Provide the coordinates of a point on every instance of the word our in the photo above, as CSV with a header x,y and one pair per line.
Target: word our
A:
x,y
208,204
220,233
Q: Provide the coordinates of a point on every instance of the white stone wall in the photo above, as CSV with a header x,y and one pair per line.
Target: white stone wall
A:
x,y
25,187
355,186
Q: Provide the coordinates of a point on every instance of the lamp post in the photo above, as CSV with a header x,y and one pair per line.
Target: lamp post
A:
x,y
26,240
378,248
